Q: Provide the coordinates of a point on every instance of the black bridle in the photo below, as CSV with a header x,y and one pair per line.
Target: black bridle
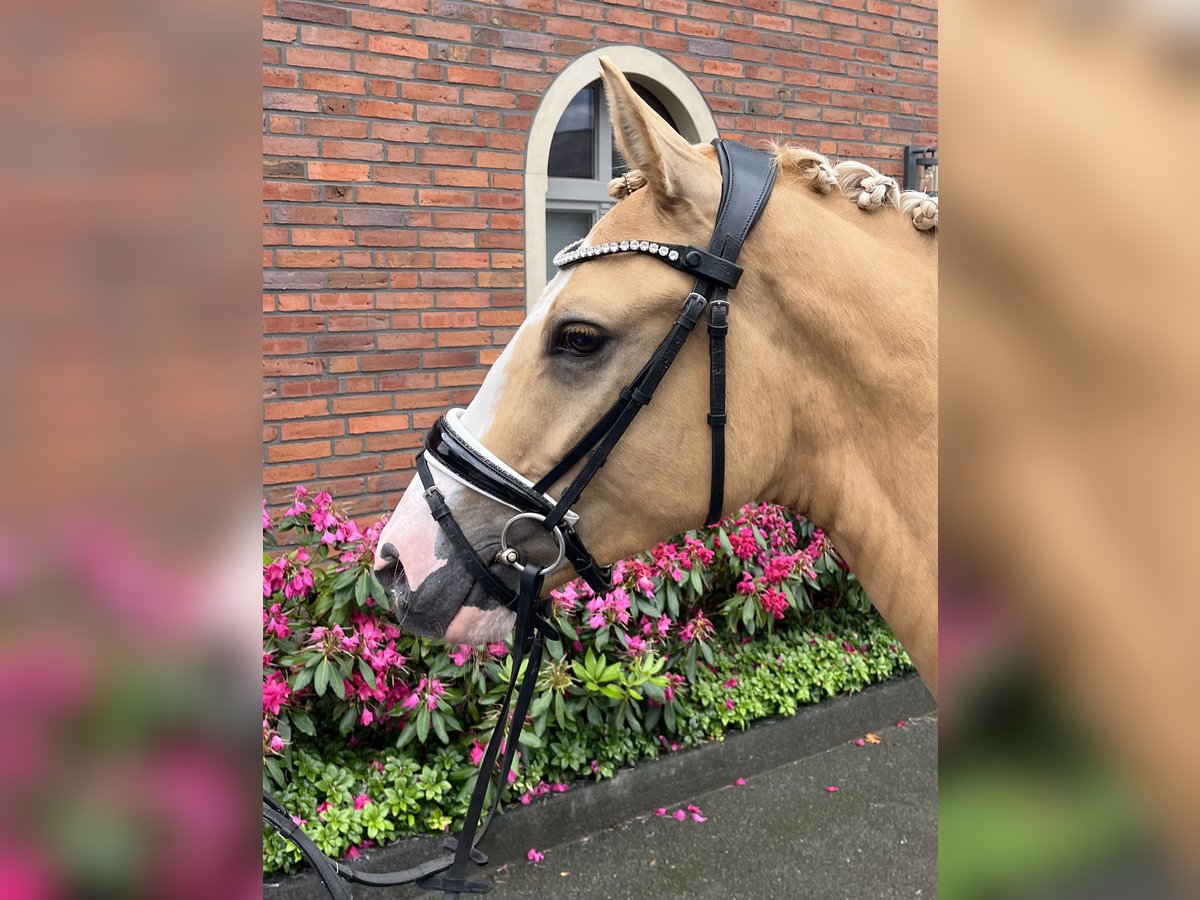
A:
x,y
747,177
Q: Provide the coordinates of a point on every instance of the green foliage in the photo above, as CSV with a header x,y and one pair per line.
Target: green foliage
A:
x,y
370,734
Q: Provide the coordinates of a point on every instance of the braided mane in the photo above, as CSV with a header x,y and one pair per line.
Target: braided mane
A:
x,y
869,189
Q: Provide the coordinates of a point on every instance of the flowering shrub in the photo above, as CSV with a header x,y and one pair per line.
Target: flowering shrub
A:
x,y
369,733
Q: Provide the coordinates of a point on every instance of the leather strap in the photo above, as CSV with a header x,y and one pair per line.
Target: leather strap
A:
x,y
446,521
747,177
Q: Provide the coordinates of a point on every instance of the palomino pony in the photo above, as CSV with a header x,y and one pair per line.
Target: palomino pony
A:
x,y
832,388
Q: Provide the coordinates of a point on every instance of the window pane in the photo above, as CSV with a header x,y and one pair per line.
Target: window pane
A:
x,y
572,149
562,227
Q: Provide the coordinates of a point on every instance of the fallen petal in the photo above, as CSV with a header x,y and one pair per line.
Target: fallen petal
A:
x,y
534,856
696,817
740,782
680,815
832,789
661,811
860,743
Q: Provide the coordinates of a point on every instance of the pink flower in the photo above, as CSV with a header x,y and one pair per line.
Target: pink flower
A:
x,y
461,654
729,703
900,724
680,814
276,744
324,806
476,753
275,693
361,800
299,821
731,683
275,622
266,516
832,789
534,856
367,717
560,788
744,543
774,602
498,649
353,853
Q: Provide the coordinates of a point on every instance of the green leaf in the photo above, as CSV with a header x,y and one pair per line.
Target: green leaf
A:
x,y
302,721
338,683
321,681
275,772
303,679
367,673
361,588
724,540
440,728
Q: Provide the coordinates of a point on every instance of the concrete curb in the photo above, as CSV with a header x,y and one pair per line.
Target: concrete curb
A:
x,y
559,818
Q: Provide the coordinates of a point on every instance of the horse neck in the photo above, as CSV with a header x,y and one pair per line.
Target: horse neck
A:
x,y
857,310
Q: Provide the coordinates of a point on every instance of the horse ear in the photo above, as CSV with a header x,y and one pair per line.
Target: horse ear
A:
x,y
669,163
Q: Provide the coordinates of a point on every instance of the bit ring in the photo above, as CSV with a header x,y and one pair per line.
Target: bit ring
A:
x,y
504,555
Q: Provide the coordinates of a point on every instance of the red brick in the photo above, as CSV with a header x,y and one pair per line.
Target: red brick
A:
x,y
362,403
396,46
338,84
497,317
373,21
429,93
373,424
383,109
447,359
359,466
290,452
451,260
386,362
331,37
292,431
304,366
289,474
464,75
294,409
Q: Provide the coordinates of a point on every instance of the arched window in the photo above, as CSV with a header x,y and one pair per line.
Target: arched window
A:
x,y
571,154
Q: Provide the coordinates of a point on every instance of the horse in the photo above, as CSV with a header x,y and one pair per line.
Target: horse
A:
x,y
831,389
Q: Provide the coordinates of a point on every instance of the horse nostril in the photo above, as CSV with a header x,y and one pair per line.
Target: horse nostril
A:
x,y
392,569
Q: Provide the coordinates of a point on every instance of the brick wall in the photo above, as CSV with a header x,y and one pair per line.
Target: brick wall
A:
x,y
394,147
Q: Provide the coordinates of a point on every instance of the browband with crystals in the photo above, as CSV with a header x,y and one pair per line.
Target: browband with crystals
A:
x,y
680,256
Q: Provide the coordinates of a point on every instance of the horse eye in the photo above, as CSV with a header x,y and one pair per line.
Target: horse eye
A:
x,y
578,341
